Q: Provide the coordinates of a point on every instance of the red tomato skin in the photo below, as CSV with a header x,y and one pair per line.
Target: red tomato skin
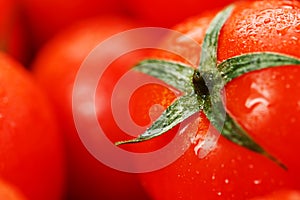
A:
x,y
56,67
273,125
31,147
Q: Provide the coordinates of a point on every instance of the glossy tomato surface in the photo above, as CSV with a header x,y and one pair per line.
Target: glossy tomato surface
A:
x,y
31,146
265,103
56,67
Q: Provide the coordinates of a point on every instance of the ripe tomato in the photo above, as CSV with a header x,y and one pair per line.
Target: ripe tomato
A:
x,y
31,148
47,17
13,35
265,103
8,192
167,14
55,67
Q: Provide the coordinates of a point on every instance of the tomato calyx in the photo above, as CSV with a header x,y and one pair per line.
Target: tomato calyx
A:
x,y
202,87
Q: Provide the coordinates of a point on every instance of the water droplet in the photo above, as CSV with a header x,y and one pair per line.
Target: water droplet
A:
x,y
197,172
205,144
251,166
294,38
226,181
259,97
297,28
256,182
213,177
267,20
282,30
287,86
252,103
219,193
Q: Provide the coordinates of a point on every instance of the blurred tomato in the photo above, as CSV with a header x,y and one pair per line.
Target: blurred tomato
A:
x,y
47,17
8,192
55,67
13,36
31,151
169,13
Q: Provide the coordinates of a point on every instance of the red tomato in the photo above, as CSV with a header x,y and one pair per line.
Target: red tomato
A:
x,y
281,195
47,17
264,102
31,151
13,35
8,192
56,67
166,13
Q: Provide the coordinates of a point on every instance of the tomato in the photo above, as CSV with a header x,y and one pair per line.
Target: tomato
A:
x,y
13,33
47,17
31,148
281,195
8,192
167,14
264,102
56,67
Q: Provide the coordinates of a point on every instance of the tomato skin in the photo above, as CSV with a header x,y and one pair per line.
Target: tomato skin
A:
x,y
56,67
31,148
230,171
8,192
